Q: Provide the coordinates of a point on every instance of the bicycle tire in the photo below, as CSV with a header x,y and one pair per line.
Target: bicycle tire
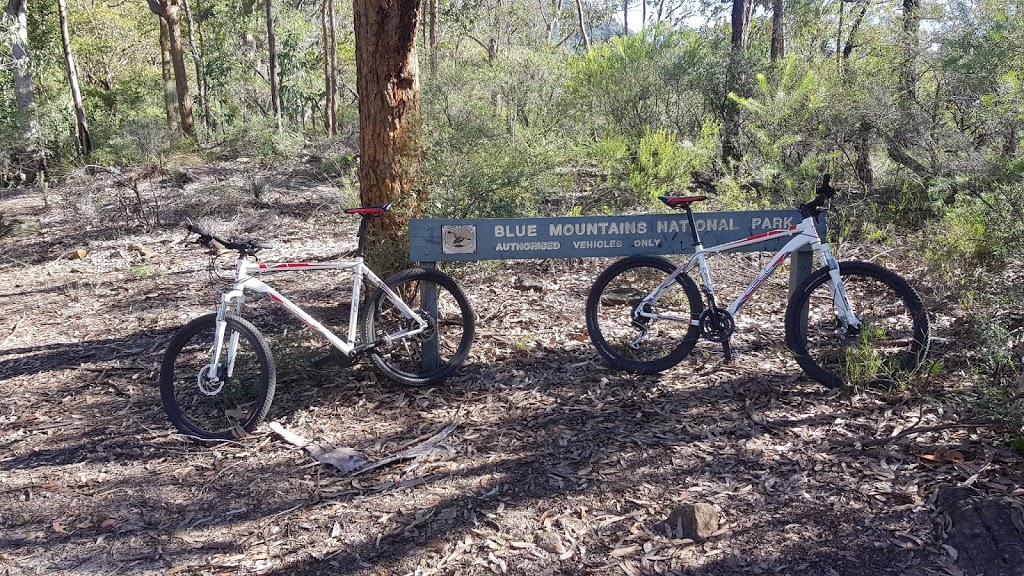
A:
x,y
402,360
614,296
892,340
234,409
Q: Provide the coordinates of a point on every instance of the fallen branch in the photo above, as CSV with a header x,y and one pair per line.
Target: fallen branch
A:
x,y
413,452
343,458
868,442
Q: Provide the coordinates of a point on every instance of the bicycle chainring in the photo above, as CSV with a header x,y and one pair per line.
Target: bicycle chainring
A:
x,y
717,325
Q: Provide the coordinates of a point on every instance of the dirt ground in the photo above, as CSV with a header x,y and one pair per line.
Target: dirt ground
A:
x,y
557,464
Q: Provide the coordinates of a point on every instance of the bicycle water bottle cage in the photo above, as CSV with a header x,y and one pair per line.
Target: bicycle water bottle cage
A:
x,y
683,202
370,210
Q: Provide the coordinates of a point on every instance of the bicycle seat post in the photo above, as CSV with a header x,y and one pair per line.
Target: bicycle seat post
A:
x,y
693,226
364,220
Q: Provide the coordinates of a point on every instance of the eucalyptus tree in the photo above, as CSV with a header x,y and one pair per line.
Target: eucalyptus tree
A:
x,y
81,124
167,10
24,91
275,80
390,123
329,31
196,48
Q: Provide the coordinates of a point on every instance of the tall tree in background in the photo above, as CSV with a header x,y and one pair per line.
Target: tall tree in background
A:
x,y
275,82
24,93
432,33
390,140
582,24
734,76
329,26
911,24
167,10
167,73
81,124
200,65
778,47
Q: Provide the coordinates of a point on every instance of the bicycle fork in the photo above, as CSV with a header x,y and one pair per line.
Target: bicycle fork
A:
x,y
845,315
214,379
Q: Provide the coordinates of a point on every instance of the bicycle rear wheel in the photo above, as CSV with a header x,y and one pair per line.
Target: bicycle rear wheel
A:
x,y
636,343
235,402
430,356
891,341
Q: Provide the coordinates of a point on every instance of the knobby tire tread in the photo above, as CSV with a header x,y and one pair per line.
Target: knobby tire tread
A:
x,y
246,331
606,351
446,369
798,345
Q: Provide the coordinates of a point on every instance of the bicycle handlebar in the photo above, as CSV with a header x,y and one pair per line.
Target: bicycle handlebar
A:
x,y
243,247
822,194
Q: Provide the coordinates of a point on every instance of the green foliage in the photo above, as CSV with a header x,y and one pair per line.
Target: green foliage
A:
x,y
497,179
141,271
664,165
786,151
260,136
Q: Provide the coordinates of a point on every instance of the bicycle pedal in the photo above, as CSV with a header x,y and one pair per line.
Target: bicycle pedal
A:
x,y
727,351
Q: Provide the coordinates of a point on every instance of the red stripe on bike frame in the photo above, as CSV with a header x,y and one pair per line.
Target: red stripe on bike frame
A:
x,y
770,233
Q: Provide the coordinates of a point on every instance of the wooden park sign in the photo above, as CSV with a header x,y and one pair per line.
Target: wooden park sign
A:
x,y
447,240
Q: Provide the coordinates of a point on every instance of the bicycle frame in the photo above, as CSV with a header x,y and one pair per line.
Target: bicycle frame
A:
x,y
805,234
233,299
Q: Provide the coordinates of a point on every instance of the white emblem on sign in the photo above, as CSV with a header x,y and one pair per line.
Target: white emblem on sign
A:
x,y
458,239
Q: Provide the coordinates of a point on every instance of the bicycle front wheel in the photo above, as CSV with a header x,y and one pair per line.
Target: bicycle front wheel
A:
x,y
233,402
432,355
634,342
892,338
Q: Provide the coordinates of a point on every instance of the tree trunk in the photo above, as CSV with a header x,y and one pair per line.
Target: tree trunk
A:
x,y
168,10
908,67
862,162
24,93
330,88
81,125
197,58
275,87
432,35
740,24
625,17
583,27
170,96
778,49
391,149
734,78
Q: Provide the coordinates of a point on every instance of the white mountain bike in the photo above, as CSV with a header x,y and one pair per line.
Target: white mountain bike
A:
x,y
218,377
848,322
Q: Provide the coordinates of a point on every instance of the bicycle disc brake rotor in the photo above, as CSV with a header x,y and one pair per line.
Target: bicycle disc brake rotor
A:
x,y
431,329
207,386
717,325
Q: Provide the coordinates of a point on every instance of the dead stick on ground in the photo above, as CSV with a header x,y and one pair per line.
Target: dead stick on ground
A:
x,y
866,443
417,450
